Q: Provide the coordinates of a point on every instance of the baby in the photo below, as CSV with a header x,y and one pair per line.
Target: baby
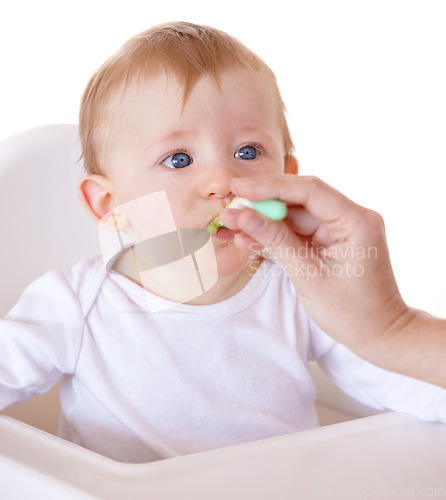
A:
x,y
148,372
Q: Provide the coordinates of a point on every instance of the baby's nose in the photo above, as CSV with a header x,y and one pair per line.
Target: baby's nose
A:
x,y
216,178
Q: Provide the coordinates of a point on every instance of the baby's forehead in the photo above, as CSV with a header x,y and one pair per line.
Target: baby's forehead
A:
x,y
165,89
165,98
158,86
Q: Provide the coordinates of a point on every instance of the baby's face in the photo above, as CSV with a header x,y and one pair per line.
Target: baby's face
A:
x,y
193,152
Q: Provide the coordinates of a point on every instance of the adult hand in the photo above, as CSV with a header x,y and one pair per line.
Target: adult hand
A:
x,y
335,252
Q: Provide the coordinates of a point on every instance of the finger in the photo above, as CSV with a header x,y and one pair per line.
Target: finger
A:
x,y
301,221
246,243
298,220
243,241
229,218
319,199
270,234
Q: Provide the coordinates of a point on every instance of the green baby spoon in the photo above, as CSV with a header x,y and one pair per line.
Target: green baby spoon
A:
x,y
273,209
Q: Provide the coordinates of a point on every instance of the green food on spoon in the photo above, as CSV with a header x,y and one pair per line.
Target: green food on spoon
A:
x,y
214,226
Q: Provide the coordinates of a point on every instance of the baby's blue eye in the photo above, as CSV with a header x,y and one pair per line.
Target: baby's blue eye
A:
x,y
247,153
178,160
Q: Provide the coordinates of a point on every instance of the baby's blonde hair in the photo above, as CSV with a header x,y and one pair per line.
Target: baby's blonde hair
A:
x,y
188,51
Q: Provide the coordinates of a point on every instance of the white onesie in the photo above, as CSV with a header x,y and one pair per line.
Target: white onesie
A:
x,y
139,386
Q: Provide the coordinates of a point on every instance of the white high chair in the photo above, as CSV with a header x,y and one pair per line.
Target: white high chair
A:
x,y
45,227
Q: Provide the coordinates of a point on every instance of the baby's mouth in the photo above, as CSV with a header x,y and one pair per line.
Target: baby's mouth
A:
x,y
225,234
216,224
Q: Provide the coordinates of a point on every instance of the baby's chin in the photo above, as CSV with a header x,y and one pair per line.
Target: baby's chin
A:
x,y
231,261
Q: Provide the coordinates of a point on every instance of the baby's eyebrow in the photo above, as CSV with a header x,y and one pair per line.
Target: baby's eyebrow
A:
x,y
184,134
178,134
256,129
175,135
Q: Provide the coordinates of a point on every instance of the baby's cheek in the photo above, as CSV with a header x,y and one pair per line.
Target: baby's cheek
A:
x,y
274,166
182,210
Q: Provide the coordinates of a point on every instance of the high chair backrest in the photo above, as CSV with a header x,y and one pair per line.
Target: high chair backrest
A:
x,y
43,225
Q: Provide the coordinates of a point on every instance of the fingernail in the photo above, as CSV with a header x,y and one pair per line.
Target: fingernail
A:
x,y
230,211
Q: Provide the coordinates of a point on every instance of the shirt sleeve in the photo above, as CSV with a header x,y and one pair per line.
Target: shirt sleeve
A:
x,y
374,386
40,338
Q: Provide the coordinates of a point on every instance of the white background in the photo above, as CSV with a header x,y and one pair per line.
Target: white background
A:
x,y
364,83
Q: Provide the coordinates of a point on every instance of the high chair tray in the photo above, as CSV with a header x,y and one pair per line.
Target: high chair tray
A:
x,y
388,455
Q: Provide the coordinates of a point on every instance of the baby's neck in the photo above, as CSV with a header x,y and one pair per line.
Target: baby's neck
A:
x,y
224,288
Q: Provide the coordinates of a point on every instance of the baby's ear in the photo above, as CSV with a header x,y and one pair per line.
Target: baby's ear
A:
x,y
96,195
291,165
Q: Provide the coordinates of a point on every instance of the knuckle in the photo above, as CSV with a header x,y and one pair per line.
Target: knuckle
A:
x,y
372,223
314,182
275,235
374,219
